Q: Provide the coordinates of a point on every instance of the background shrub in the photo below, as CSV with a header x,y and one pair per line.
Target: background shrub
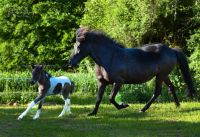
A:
x,y
85,91
37,31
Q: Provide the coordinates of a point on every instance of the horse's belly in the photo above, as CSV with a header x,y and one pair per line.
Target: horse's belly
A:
x,y
139,78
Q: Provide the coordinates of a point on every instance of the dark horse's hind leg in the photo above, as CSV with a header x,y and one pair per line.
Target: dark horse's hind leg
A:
x,y
155,95
114,92
101,88
172,89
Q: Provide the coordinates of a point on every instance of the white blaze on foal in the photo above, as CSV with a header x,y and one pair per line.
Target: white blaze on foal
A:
x,y
49,85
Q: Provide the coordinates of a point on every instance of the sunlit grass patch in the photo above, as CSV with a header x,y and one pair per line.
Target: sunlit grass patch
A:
x,y
160,120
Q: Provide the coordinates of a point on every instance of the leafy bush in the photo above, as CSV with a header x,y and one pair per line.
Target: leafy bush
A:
x,y
37,31
126,21
194,45
85,91
134,22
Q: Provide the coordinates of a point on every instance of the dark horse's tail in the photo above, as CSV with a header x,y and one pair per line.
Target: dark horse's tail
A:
x,y
182,61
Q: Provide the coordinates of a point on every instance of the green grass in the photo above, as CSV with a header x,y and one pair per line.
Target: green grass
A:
x,y
160,120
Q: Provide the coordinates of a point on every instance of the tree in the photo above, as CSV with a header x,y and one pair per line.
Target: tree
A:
x,y
34,31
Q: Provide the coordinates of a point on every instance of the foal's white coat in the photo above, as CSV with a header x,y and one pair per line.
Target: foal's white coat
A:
x,y
53,82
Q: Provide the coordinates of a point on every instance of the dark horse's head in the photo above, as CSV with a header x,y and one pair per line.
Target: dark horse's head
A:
x,y
38,74
81,47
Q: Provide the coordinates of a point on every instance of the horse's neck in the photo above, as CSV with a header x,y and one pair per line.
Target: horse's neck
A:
x,y
44,79
103,54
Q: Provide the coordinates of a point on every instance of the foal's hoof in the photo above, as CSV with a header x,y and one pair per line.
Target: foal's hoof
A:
x,y
19,118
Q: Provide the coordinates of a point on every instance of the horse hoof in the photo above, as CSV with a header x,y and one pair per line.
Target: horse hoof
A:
x,y
92,114
35,118
125,105
141,111
178,105
19,118
60,116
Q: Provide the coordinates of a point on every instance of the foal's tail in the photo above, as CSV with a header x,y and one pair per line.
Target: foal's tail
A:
x,y
72,87
182,61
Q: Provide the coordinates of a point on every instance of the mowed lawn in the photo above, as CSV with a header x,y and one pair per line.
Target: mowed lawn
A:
x,y
160,120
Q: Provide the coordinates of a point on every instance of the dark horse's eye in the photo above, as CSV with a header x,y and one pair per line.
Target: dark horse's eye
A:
x,y
78,47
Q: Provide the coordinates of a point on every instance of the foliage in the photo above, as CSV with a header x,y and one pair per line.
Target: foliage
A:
x,y
13,89
173,21
194,44
37,31
126,21
134,22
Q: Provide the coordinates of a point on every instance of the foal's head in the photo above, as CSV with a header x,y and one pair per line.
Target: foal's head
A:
x,y
81,47
38,74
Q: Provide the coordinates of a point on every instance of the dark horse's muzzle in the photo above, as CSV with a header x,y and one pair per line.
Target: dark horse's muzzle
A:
x,y
70,63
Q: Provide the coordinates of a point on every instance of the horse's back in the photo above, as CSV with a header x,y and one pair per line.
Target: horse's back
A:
x,y
143,63
165,56
63,79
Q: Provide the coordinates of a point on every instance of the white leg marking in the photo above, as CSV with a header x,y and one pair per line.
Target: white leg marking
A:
x,y
32,104
66,108
37,115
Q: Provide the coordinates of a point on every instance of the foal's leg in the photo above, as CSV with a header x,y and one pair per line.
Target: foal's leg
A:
x,y
31,105
37,115
66,107
66,92
114,92
172,89
155,95
101,89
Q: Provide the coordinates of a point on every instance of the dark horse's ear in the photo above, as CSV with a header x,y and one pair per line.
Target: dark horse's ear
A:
x,y
41,67
81,34
80,39
33,66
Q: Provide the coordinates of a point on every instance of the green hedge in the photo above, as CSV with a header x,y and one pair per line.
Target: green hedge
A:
x,y
14,87
37,31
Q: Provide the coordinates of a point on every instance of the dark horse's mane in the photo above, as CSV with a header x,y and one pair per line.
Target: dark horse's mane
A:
x,y
96,35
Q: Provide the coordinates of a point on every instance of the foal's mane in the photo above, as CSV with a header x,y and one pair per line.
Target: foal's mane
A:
x,y
48,75
95,35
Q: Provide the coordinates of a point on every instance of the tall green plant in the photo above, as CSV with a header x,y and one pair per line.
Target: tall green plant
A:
x,y
126,21
135,22
35,31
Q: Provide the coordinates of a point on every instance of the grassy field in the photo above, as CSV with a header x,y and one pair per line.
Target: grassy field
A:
x,y
161,120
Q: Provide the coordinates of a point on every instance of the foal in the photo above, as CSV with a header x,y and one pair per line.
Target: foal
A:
x,y
49,85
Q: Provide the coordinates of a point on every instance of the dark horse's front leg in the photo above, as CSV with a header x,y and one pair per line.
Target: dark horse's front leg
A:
x,y
114,92
101,89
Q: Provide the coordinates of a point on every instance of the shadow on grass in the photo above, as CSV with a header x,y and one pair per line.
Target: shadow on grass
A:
x,y
108,123
187,110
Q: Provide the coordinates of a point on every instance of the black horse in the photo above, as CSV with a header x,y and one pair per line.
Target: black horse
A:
x,y
117,65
